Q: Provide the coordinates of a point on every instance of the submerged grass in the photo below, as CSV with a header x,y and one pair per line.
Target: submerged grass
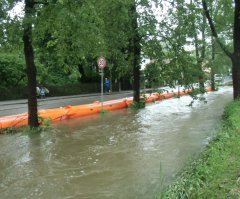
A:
x,y
136,105
139,105
26,130
216,172
45,124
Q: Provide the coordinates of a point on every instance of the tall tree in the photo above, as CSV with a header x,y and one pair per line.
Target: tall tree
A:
x,y
143,28
11,44
30,65
179,63
200,45
235,55
135,51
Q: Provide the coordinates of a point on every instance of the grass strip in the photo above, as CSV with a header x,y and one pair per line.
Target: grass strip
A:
x,y
216,172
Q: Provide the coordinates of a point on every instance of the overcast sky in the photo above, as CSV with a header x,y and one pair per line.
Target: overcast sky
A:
x,y
17,10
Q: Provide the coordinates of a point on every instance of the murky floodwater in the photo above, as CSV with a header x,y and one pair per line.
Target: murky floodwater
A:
x,y
125,154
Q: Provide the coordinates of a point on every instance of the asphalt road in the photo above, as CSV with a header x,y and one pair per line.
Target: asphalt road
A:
x,y
13,107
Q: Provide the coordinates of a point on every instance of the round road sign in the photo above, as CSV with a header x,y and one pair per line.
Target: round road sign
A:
x,y
101,62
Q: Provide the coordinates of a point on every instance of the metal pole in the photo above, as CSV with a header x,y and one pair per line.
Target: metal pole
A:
x,y
101,90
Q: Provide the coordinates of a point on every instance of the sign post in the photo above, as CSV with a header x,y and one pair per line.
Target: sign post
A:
x,y
101,64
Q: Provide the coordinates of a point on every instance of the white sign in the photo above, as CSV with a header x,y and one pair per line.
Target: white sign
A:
x,y
101,62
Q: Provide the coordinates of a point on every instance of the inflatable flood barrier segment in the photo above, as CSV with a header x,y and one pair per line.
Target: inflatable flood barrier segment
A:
x,y
68,112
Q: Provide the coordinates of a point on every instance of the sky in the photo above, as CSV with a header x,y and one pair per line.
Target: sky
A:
x,y
17,10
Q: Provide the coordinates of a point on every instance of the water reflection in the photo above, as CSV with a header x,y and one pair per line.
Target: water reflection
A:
x,y
119,155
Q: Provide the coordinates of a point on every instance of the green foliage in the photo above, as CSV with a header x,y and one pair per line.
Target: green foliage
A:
x,y
103,112
10,130
12,70
197,95
26,130
231,115
44,121
72,89
68,34
152,75
140,105
221,63
13,92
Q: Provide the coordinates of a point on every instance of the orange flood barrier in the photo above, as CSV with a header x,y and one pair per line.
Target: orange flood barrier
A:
x,y
67,112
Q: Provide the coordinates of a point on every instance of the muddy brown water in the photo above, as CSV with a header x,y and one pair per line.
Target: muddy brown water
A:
x,y
124,154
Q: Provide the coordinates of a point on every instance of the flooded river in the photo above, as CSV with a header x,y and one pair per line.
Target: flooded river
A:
x,y
124,154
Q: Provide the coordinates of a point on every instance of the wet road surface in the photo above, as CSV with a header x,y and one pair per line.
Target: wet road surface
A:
x,y
20,106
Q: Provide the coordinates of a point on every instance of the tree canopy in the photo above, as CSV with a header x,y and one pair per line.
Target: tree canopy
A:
x,y
68,36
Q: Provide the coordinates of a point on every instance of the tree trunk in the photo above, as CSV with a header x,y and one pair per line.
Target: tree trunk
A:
x,y
212,66
236,76
136,78
119,85
212,79
30,65
236,55
135,51
111,81
199,50
203,50
83,77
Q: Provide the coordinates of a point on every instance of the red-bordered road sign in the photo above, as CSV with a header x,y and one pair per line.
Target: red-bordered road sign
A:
x,y
101,62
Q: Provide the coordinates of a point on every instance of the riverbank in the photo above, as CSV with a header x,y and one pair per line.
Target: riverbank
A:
x,y
216,172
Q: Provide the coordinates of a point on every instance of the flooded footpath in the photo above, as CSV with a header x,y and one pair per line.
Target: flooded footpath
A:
x,y
125,154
